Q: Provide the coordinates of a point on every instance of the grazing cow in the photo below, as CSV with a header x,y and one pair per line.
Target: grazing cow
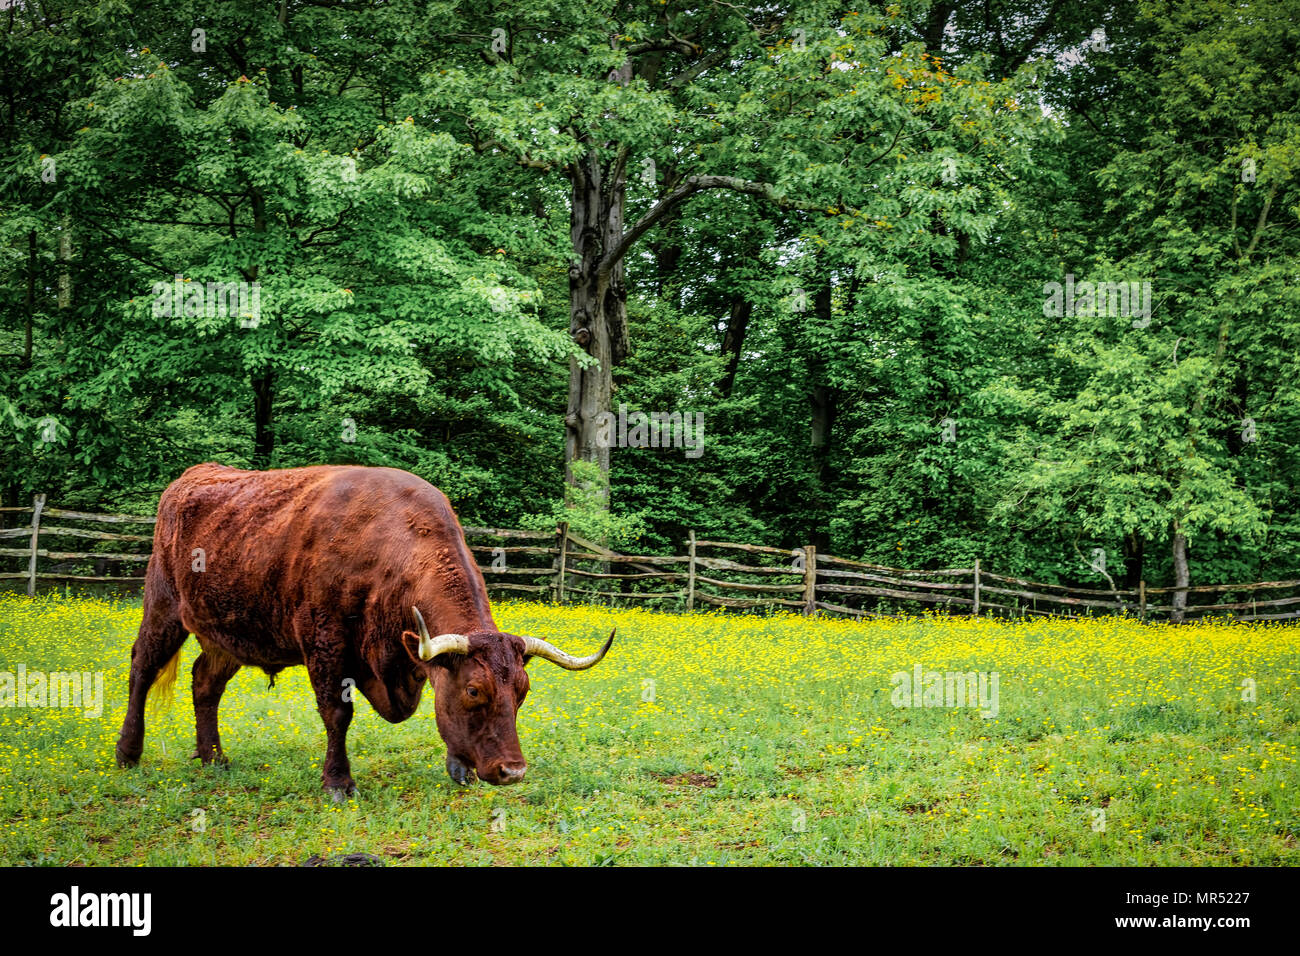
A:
x,y
331,567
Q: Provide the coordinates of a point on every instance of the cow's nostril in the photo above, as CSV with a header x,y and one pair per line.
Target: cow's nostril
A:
x,y
513,773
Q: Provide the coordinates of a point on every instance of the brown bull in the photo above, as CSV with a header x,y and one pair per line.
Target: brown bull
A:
x,y
339,569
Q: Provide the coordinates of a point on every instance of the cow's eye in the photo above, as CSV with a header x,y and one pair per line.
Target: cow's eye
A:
x,y
473,692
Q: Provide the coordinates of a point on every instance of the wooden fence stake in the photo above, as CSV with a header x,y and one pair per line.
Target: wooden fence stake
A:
x,y
561,542
976,609
810,579
1142,600
38,505
690,574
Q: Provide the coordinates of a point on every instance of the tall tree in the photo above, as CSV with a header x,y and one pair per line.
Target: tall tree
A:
x,y
804,107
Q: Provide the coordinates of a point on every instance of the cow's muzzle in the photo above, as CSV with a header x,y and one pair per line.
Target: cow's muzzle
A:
x,y
504,773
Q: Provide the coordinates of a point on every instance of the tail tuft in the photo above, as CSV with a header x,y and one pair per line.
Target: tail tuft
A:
x,y
164,685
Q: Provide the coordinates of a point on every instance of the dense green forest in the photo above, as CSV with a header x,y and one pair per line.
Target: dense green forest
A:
x,y
1007,279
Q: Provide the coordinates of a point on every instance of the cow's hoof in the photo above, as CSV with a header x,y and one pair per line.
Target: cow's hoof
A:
x,y
127,760
460,773
339,788
341,794
217,758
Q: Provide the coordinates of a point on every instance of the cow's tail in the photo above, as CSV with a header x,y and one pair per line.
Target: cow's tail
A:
x,y
164,685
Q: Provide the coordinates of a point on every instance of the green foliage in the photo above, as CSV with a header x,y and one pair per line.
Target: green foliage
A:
x,y
585,508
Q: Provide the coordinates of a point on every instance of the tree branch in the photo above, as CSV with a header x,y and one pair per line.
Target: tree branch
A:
x,y
689,187
309,241
674,45
1261,222
704,63
482,146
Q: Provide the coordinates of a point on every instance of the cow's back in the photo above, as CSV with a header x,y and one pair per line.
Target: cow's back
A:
x,y
344,545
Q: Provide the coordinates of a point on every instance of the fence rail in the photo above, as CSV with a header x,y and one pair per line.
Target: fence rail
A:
x,y
564,566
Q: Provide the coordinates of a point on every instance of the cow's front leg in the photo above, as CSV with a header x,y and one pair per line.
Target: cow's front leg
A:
x,y
334,701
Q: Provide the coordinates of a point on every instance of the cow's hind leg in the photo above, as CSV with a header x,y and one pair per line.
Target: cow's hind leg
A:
x,y
155,651
212,671
333,700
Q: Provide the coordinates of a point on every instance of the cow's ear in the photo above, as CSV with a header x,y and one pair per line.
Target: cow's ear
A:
x,y
411,642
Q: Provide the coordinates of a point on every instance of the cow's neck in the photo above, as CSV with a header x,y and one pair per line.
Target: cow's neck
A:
x,y
453,596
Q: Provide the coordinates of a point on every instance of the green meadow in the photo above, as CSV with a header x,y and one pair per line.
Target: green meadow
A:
x,y
705,739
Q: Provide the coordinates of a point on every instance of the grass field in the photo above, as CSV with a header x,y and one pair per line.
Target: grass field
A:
x,y
703,740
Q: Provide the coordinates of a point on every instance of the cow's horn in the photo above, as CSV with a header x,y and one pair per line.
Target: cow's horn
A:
x,y
431,647
536,647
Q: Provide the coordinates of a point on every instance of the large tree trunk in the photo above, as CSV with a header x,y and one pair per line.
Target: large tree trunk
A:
x,y
597,306
733,343
263,435
263,385
29,304
1181,577
13,492
668,242
65,264
1133,549
936,22
821,400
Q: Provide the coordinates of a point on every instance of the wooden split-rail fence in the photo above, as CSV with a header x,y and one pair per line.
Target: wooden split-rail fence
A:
x,y
562,566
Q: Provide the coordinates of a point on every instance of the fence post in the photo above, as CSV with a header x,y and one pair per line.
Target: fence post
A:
x,y
810,579
690,574
38,505
1142,600
561,542
976,609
